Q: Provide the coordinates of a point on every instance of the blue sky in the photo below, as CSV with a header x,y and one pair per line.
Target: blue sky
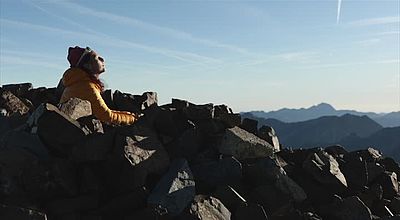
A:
x,y
249,55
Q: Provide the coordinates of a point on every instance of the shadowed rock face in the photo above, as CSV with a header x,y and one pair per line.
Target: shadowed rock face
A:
x,y
179,161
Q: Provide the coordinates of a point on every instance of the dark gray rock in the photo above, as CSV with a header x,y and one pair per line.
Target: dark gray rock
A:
x,y
268,133
230,197
18,213
390,165
12,104
19,89
137,154
26,141
94,147
69,205
76,108
243,145
91,123
250,125
175,190
374,171
371,195
350,208
42,95
212,173
46,181
325,169
355,171
250,211
199,112
337,151
270,197
12,162
389,183
133,103
55,129
123,205
107,96
266,171
206,207
187,145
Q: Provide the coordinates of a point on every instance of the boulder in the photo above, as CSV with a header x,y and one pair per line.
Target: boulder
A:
x,y
42,95
26,141
213,173
12,104
230,197
250,125
268,133
206,207
187,145
244,145
55,129
18,213
266,171
94,147
350,208
325,169
175,190
76,108
19,89
199,112
134,103
389,183
270,197
137,154
355,171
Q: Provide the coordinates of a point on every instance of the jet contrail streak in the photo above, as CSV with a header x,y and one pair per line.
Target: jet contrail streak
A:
x,y
338,11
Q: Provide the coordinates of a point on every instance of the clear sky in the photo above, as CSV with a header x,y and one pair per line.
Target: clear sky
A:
x,y
249,55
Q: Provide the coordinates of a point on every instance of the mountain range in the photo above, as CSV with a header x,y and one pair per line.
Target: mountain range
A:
x,y
391,119
351,131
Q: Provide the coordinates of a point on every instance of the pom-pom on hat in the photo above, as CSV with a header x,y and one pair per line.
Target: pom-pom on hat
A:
x,y
75,55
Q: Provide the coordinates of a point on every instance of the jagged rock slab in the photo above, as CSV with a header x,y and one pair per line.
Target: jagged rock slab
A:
x,y
206,207
11,103
325,169
244,145
76,108
268,133
175,190
56,130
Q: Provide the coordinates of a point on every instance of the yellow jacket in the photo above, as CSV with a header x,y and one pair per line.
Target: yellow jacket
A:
x,y
78,84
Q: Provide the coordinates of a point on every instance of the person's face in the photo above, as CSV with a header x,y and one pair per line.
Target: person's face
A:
x,y
97,62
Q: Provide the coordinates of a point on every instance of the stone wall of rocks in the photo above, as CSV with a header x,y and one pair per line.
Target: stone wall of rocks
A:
x,y
179,161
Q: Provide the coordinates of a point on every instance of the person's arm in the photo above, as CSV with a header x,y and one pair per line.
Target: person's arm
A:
x,y
101,111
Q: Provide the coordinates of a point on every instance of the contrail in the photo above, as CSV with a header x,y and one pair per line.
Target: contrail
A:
x,y
338,11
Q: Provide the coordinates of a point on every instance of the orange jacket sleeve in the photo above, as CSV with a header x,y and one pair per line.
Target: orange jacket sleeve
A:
x,y
103,113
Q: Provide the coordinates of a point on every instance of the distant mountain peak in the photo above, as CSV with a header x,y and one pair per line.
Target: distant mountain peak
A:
x,y
323,106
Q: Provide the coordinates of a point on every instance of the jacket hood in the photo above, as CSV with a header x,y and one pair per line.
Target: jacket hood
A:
x,y
74,75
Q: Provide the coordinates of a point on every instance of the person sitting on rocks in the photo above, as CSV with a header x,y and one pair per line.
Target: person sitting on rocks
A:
x,y
82,81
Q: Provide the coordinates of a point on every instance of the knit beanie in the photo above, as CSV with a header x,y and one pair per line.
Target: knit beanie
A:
x,y
75,55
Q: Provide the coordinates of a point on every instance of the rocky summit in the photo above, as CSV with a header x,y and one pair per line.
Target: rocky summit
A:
x,y
179,161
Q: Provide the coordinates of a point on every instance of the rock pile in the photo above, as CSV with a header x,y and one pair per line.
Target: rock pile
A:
x,y
180,161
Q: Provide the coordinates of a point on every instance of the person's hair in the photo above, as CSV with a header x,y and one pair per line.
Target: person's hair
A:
x,y
93,76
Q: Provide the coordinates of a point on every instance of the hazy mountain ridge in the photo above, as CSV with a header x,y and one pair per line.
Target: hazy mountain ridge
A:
x,y
391,119
351,131
323,130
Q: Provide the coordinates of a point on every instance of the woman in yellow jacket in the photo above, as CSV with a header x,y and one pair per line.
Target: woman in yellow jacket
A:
x,y
82,81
